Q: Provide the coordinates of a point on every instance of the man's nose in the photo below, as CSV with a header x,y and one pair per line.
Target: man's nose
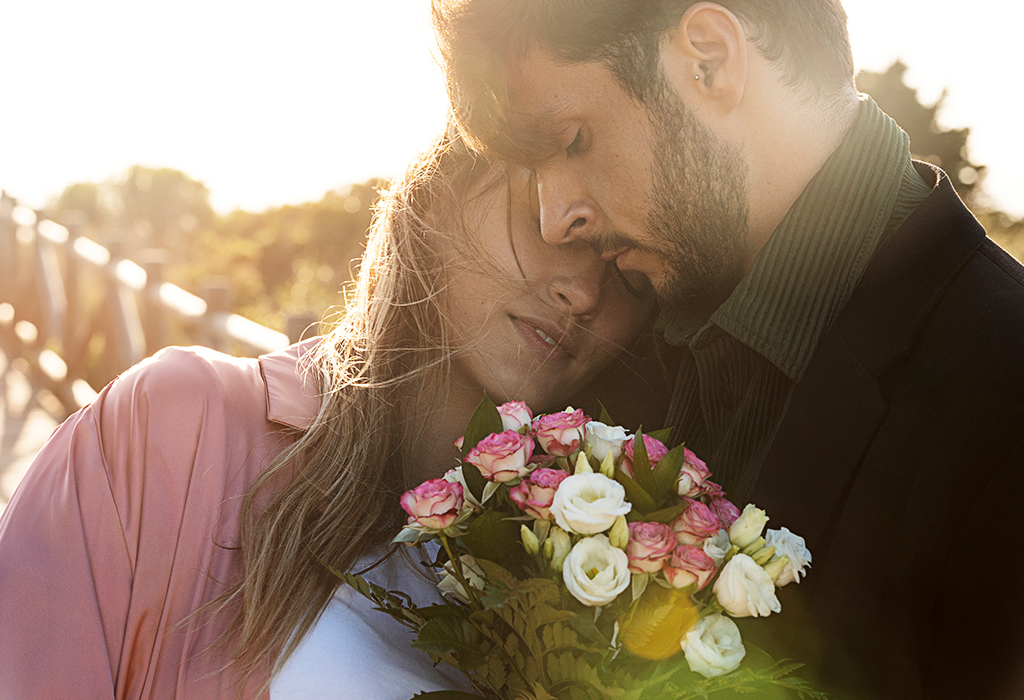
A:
x,y
566,213
575,287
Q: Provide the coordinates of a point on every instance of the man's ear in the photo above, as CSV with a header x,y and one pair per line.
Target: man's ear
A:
x,y
705,58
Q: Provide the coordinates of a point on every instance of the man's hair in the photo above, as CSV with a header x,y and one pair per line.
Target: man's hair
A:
x,y
807,40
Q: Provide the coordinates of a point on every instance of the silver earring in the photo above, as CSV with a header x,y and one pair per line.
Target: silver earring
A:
x,y
697,77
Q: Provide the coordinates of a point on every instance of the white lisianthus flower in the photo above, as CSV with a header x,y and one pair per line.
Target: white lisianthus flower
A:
x,y
744,589
717,547
713,647
586,504
474,576
748,526
456,476
789,545
605,439
595,572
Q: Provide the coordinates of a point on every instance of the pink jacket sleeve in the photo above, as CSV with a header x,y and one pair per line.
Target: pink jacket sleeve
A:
x,y
124,526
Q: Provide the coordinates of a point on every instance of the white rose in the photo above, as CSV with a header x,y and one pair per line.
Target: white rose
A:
x,y
744,589
605,439
748,526
474,576
789,545
595,572
713,647
717,547
586,504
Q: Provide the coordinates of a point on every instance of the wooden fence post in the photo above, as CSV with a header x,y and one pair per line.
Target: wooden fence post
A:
x,y
154,319
302,326
217,293
8,247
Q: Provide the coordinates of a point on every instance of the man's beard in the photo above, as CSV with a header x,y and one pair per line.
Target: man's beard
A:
x,y
697,211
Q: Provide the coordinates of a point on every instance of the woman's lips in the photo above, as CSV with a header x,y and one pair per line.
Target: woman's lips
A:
x,y
542,336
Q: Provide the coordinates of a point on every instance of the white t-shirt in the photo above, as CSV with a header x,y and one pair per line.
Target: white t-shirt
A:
x,y
355,651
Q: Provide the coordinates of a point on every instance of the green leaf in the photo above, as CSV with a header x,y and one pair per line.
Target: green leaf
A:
x,y
666,473
485,421
449,635
606,417
635,494
492,536
665,515
445,695
407,534
641,463
664,434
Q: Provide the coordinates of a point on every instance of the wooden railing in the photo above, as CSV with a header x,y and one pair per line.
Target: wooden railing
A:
x,y
77,313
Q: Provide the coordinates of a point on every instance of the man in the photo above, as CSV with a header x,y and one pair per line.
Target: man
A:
x,y
853,344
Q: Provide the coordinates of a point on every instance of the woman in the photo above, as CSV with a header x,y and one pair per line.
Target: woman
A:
x,y
171,539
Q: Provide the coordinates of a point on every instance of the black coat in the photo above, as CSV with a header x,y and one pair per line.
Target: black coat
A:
x,y
901,461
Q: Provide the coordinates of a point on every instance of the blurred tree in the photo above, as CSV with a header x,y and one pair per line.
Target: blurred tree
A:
x,y
288,260
946,148
163,208
146,208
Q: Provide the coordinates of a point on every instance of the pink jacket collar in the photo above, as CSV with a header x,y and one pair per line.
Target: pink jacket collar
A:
x,y
293,397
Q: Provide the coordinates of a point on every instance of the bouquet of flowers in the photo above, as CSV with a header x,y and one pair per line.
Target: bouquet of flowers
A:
x,y
578,561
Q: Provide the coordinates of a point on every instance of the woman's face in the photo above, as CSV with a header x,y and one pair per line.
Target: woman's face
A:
x,y
532,321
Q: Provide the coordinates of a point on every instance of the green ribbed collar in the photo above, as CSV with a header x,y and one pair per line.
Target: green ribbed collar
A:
x,y
808,269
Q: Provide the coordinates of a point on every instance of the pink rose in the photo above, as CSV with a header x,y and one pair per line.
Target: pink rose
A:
x,y
725,510
433,504
514,415
696,523
655,451
689,565
650,544
692,475
560,433
534,494
502,456
712,489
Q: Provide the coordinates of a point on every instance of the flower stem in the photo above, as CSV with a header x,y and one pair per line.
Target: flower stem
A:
x,y
457,569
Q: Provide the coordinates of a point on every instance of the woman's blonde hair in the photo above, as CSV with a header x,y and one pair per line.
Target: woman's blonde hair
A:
x,y
343,477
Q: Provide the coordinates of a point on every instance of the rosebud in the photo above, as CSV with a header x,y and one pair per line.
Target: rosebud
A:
x,y
557,547
692,475
608,466
754,547
619,533
583,465
763,556
748,526
514,415
560,433
530,541
776,567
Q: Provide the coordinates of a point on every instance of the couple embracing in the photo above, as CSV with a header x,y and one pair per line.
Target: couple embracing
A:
x,y
844,345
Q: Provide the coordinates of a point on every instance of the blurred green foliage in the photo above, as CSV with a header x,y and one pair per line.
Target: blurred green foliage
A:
x,y
286,261
946,148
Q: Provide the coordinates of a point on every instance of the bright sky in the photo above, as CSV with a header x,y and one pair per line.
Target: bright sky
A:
x,y
268,103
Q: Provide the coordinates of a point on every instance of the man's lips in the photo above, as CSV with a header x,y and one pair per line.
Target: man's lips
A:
x,y
613,254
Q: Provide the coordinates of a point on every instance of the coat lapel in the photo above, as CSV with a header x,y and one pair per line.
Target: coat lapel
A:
x,y
837,408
